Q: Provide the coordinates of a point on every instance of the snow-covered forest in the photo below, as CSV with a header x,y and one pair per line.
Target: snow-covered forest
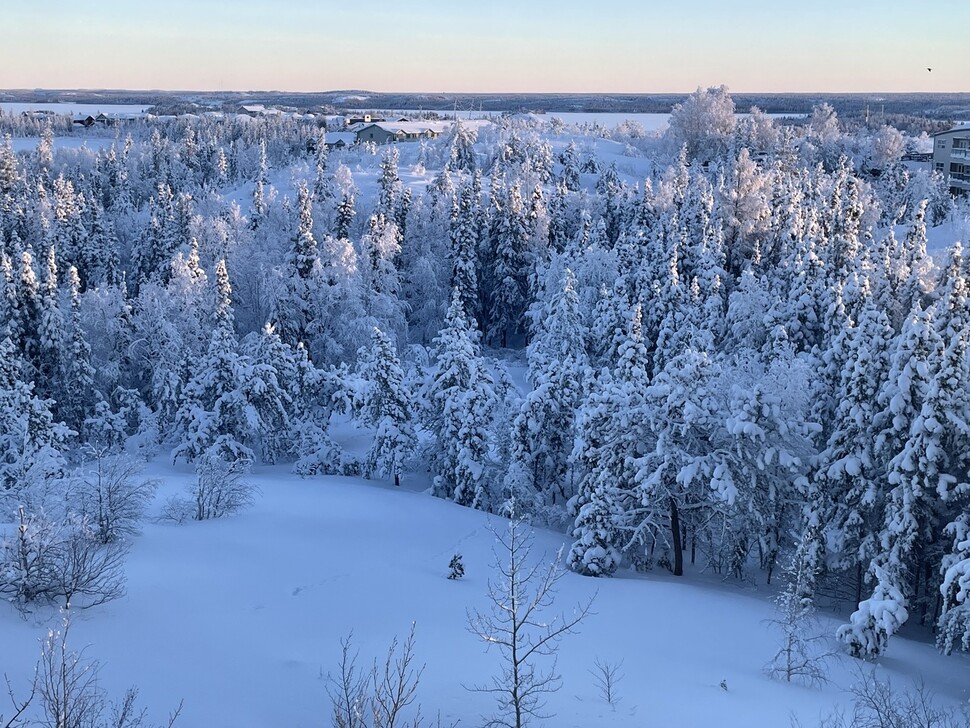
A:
x,y
719,350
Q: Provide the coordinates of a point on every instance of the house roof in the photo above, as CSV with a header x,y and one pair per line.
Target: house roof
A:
x,y
406,127
347,137
961,128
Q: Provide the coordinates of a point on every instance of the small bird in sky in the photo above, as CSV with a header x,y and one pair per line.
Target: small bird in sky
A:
x,y
930,70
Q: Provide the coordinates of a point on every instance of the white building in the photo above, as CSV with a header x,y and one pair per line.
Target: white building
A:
x,y
951,156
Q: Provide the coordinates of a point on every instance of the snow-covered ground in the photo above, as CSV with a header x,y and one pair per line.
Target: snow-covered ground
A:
x,y
28,144
605,119
242,618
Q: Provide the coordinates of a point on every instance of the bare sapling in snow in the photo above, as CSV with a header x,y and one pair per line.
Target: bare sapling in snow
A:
x,y
606,678
877,703
803,651
518,625
69,694
18,706
385,696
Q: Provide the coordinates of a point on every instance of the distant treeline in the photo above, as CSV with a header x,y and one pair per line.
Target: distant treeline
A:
x,y
940,107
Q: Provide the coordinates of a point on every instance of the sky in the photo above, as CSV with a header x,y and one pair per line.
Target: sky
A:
x,y
628,46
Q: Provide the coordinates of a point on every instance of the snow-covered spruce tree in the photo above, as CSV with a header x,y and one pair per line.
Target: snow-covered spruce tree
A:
x,y
875,620
954,622
346,209
674,476
389,184
743,191
757,459
271,387
462,403
215,414
31,442
610,441
508,299
79,395
569,159
543,430
464,251
153,252
849,473
315,394
321,181
598,507
259,207
461,148
387,407
50,336
379,276
927,474
295,309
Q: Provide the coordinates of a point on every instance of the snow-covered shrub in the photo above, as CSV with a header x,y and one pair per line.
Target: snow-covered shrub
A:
x,y
456,566
111,493
49,561
876,620
221,487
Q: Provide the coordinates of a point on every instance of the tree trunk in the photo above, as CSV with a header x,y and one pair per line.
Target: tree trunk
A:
x,y
678,543
397,478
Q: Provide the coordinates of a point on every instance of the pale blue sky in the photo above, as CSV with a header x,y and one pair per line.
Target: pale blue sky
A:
x,y
497,45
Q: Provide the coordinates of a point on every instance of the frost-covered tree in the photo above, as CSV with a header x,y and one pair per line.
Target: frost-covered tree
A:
x,y
543,430
462,402
461,148
295,311
510,292
215,414
31,442
464,251
703,123
611,438
79,395
387,407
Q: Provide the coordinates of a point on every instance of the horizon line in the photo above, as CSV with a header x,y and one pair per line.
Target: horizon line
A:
x,y
476,93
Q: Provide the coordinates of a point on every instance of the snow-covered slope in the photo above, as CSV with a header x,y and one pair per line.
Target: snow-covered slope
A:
x,y
242,619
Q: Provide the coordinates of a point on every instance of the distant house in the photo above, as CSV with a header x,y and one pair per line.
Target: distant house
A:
x,y
258,110
399,131
84,120
363,119
951,156
340,139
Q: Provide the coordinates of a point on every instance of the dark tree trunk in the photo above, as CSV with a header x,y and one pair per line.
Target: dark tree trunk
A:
x,y
397,478
678,543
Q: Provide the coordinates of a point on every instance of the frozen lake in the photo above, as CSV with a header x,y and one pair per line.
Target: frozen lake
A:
x,y
17,107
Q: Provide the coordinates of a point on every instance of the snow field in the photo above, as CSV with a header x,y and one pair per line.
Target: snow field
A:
x,y
241,618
